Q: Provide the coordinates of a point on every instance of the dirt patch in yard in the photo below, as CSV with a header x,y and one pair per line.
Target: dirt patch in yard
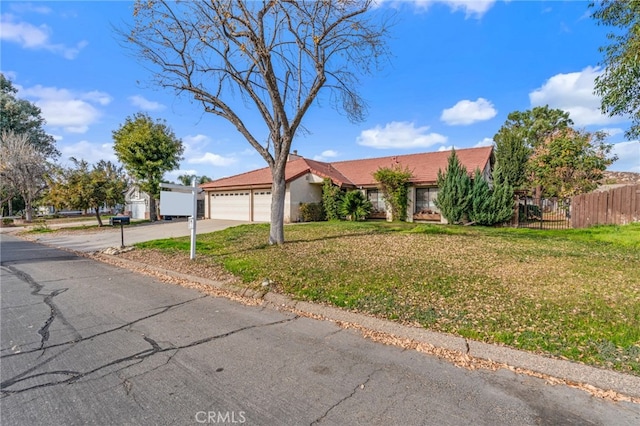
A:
x,y
180,262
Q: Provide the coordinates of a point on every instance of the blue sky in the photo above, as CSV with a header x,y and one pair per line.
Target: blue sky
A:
x,y
458,68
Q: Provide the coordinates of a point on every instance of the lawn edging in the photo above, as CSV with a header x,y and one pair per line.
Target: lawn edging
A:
x,y
462,352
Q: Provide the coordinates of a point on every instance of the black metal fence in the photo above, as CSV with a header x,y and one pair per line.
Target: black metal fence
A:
x,y
542,213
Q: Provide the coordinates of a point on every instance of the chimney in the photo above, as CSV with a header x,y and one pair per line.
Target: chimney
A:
x,y
294,155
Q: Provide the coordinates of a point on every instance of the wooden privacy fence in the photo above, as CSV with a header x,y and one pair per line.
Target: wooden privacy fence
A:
x,y
617,206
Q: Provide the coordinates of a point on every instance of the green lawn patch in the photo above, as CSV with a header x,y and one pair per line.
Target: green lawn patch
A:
x,y
569,293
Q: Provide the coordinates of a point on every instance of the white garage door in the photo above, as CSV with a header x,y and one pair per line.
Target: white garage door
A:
x,y
261,205
138,209
231,205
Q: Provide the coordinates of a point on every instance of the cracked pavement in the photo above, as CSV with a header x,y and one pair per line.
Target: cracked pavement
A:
x,y
83,342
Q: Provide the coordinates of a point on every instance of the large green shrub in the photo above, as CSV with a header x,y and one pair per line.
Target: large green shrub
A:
x,y
490,206
331,200
454,193
394,184
311,212
355,206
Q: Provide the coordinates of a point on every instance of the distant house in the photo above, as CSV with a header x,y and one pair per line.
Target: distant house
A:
x,y
247,196
136,203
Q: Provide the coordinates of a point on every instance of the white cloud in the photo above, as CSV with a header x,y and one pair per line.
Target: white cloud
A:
x,y
97,97
468,112
573,92
145,104
396,135
85,150
195,152
471,8
11,75
29,36
325,155
612,131
484,142
212,159
197,139
448,148
63,108
628,156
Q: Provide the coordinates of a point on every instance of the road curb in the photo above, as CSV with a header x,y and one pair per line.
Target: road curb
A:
x,y
572,373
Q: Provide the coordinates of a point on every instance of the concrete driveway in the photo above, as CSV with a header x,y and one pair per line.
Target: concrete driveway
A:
x,y
100,239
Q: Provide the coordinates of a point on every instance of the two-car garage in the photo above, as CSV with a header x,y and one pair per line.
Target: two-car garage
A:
x,y
252,205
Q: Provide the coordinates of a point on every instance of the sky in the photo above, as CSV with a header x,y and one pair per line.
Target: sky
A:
x,y
457,68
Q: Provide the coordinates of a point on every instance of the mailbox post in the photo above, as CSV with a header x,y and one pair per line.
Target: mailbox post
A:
x,y
122,220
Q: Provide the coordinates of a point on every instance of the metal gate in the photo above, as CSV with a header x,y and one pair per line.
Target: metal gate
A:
x,y
542,213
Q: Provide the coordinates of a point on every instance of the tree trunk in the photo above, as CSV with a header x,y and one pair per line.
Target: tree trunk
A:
x,y
153,216
278,192
28,210
98,217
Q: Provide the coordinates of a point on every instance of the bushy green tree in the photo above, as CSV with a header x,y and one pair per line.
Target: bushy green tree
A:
x,y
570,162
394,184
331,200
84,187
520,135
355,206
619,84
147,149
24,118
454,189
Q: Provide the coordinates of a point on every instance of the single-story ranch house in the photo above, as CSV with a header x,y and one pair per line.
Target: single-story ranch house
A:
x,y
247,196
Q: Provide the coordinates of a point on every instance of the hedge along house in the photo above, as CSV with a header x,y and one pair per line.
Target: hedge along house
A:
x,y
247,196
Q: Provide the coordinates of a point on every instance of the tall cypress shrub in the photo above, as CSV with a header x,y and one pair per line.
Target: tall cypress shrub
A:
x,y
454,190
490,206
502,202
480,210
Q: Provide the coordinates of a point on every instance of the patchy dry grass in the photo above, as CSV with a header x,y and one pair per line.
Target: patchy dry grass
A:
x,y
573,294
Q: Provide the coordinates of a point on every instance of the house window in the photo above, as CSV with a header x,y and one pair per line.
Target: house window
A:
x,y
375,196
425,200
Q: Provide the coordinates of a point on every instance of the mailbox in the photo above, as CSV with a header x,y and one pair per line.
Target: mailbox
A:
x,y
119,220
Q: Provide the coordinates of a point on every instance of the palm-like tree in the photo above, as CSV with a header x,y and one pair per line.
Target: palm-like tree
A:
x,y
355,206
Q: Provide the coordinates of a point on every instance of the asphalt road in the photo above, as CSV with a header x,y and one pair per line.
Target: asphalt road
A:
x,y
87,343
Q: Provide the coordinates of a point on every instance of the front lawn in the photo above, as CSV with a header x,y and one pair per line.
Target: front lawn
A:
x,y
569,293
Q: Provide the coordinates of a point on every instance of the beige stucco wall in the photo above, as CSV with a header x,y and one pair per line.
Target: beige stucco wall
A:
x,y
305,189
411,201
207,204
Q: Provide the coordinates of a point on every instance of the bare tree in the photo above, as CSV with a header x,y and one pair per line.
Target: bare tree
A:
x,y
274,55
22,168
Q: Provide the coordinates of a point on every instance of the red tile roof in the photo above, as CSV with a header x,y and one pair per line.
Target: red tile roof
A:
x,y
424,166
352,173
